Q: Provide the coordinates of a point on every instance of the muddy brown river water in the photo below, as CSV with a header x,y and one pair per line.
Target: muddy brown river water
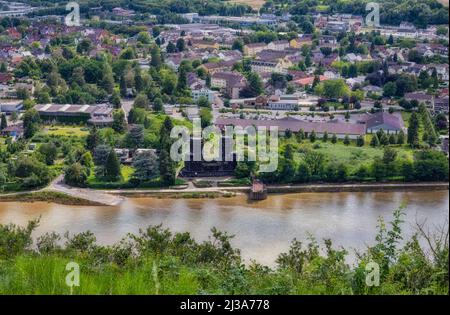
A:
x,y
262,229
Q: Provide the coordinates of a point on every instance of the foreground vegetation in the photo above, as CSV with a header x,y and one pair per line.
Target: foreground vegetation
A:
x,y
157,261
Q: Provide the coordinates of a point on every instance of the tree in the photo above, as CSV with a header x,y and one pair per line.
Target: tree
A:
x,y
123,87
156,59
413,130
435,79
84,46
115,99
92,139
238,44
390,89
31,121
415,56
335,88
4,122
316,163
242,170
157,105
353,71
255,86
378,169
390,40
384,139
401,137
167,167
107,81
135,137
171,48
424,80
32,172
360,141
78,76
181,45
101,153
325,136
346,140
374,142
334,139
128,54
112,166
43,97
392,139
138,80
303,174
119,123
431,166
141,101
146,166
76,175
49,152
389,155
182,79
312,136
144,38
203,102
23,93
205,117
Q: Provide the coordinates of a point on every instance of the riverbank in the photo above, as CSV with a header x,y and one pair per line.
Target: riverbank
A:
x,y
210,192
49,197
60,193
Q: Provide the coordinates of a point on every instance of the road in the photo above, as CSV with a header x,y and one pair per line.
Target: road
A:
x,y
84,193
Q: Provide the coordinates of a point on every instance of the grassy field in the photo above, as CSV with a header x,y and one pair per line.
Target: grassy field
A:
x,y
354,156
256,4
126,171
67,131
351,155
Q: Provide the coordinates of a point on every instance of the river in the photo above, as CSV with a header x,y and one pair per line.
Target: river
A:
x,y
262,229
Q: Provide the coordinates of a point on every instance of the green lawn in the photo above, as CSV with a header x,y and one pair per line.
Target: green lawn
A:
x,y
354,156
351,155
66,131
126,171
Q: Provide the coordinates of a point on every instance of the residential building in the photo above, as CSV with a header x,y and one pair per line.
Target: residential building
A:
x,y
252,49
208,94
441,104
279,45
390,123
231,83
100,115
9,107
341,129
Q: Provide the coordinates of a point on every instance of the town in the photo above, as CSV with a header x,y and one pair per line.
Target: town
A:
x,y
96,101
224,148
